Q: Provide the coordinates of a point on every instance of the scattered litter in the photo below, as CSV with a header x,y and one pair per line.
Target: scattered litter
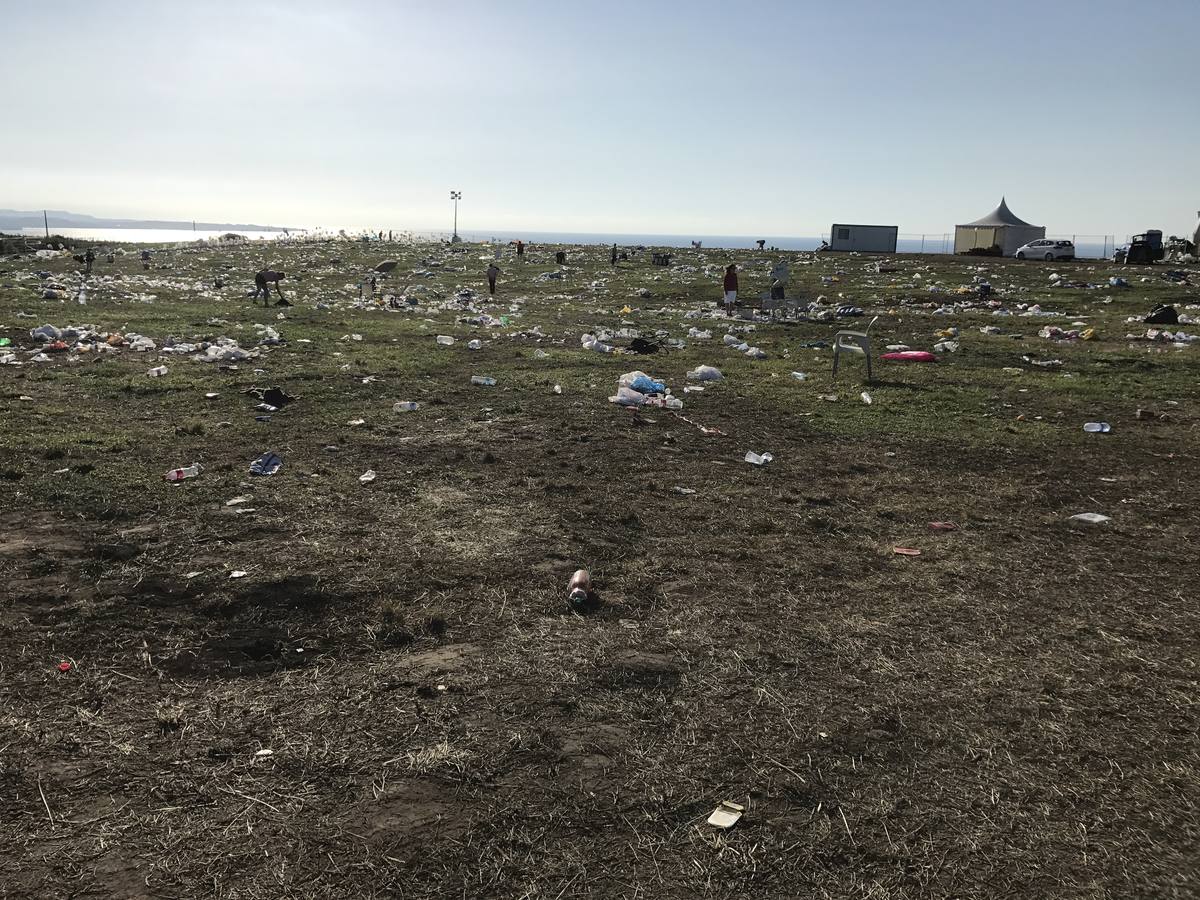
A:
x,y
273,397
238,573
682,490
185,472
475,344
726,815
484,380
758,460
579,590
445,340
267,464
367,477
354,423
64,666
1097,427
705,373
909,356
866,398
800,376
906,551
828,398
158,372
942,526
1090,518
405,406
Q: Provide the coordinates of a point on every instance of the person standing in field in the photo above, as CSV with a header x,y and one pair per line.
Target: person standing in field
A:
x,y
731,288
492,271
88,259
520,251
613,256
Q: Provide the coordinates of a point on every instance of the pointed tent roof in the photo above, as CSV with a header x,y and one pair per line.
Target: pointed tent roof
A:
x,y
1001,215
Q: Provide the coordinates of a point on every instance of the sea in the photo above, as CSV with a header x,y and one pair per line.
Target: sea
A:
x,y
937,243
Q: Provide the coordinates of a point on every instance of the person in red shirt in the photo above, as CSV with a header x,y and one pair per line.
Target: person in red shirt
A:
x,y
731,288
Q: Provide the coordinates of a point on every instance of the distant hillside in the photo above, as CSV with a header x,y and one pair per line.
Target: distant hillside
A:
x,y
16,218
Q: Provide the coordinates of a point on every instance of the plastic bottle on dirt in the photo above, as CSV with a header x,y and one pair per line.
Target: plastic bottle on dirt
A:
x,y
484,380
186,472
579,588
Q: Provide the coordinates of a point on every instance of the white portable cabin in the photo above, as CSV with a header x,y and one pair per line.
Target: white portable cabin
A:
x,y
999,228
864,238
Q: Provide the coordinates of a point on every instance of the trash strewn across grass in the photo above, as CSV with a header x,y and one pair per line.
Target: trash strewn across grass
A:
x,y
287,587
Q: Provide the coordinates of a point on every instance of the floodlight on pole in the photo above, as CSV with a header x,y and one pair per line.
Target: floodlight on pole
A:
x,y
455,196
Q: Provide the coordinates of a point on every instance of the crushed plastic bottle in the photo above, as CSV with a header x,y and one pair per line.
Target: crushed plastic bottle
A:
x,y
668,401
405,406
186,472
484,380
758,460
445,340
475,344
158,372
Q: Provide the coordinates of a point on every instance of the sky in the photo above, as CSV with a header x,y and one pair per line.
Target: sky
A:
x,y
657,117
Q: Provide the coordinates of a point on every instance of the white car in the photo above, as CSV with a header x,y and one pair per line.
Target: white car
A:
x,y
1047,250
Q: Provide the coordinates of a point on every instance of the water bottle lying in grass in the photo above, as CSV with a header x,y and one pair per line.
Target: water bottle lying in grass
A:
x,y
579,590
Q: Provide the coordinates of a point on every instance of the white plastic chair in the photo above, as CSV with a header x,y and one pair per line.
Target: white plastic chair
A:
x,y
854,342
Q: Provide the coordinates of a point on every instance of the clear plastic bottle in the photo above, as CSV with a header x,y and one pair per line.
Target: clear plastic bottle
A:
x,y
579,588
485,380
186,472
405,406
445,340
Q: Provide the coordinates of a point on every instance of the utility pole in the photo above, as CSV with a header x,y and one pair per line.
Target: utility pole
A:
x,y
455,196
46,222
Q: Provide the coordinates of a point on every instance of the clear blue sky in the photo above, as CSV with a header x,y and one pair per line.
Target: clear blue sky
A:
x,y
660,117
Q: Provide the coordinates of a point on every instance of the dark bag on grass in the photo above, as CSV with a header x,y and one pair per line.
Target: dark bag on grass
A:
x,y
1163,315
641,345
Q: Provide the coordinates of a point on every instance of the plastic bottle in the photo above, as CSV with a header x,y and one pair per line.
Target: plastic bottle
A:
x,y
186,472
405,406
580,588
485,380
157,372
445,340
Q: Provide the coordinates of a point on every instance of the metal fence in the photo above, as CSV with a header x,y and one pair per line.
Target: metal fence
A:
x,y
925,243
1089,246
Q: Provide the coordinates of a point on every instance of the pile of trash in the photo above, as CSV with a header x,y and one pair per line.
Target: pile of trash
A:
x,y
88,339
735,343
639,389
1054,333
1164,336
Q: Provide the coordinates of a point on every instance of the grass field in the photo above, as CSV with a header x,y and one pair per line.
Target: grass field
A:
x,y
394,699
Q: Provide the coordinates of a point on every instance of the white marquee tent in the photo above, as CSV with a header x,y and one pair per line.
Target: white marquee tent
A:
x,y
999,228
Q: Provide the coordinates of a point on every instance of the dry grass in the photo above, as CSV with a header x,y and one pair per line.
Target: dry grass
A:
x,y
397,702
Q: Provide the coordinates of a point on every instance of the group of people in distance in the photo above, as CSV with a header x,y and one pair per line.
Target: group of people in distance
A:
x,y
779,276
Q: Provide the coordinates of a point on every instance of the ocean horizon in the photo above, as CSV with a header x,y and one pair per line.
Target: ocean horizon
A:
x,y
933,244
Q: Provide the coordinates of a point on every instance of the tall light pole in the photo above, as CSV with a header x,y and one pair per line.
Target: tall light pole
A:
x,y
455,196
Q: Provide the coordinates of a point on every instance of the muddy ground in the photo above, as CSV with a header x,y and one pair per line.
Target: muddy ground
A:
x,y
394,699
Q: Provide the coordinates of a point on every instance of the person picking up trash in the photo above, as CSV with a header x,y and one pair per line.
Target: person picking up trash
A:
x,y
731,288
263,281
